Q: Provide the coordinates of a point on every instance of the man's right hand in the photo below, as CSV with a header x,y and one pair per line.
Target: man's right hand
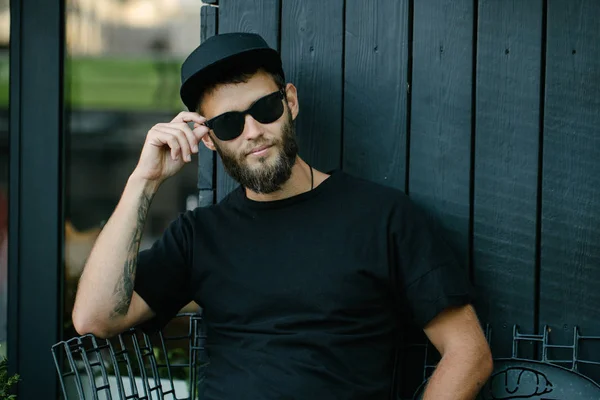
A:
x,y
169,146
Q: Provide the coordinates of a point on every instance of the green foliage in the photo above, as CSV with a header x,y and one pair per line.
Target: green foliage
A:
x,y
124,84
6,381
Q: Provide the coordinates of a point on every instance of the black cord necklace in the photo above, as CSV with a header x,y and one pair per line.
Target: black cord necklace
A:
x,y
312,182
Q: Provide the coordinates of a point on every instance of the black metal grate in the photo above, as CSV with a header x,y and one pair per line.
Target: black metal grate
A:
x,y
568,356
549,351
133,364
144,367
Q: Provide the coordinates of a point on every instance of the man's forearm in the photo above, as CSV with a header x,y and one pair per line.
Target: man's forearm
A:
x,y
459,376
123,288
106,285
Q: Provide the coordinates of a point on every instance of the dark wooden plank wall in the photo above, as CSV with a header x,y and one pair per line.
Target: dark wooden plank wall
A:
x,y
312,38
486,112
376,67
570,235
507,118
440,131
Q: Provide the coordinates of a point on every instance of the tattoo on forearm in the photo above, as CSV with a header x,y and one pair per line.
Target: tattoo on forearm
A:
x,y
124,287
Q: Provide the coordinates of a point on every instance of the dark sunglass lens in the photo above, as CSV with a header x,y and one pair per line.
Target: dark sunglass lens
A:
x,y
229,125
268,109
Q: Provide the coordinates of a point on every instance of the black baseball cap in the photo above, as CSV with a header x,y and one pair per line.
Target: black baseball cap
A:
x,y
200,67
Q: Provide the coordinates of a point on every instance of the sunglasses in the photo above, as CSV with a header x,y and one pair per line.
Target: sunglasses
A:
x,y
265,110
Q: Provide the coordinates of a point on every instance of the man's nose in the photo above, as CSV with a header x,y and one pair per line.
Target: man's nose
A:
x,y
252,128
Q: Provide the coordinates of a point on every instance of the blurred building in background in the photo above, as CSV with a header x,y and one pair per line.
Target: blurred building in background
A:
x,y
121,78
131,27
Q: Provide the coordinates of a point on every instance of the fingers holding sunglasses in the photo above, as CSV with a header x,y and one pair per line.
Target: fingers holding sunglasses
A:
x,y
200,130
186,116
178,142
159,138
189,134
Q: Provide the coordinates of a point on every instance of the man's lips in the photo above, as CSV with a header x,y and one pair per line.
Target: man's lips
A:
x,y
257,151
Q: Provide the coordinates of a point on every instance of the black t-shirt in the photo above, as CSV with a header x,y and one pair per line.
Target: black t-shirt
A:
x,y
305,297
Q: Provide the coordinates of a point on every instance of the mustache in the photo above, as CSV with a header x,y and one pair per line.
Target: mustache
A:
x,y
259,143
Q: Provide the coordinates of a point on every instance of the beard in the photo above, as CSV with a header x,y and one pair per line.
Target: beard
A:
x,y
268,177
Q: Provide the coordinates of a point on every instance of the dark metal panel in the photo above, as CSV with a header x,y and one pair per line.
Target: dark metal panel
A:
x,y
206,157
312,36
256,16
509,41
35,259
440,137
375,90
570,231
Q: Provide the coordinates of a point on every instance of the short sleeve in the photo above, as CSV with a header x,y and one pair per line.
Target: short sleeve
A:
x,y
425,272
163,272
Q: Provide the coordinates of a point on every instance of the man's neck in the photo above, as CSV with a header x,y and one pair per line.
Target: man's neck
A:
x,y
299,182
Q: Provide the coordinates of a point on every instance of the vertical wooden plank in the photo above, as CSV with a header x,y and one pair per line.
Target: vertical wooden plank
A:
x,y
375,90
440,137
255,16
570,237
440,130
206,157
311,49
509,40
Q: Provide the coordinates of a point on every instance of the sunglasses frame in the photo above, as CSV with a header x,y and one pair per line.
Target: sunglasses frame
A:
x,y
210,123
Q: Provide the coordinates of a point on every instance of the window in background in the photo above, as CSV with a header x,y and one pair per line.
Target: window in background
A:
x,y
121,78
4,153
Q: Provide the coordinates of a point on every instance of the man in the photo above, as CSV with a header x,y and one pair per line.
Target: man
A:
x,y
305,278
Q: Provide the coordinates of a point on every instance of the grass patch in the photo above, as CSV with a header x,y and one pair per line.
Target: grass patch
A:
x,y
111,83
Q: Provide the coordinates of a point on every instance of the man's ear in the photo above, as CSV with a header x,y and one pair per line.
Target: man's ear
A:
x,y
291,95
208,142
